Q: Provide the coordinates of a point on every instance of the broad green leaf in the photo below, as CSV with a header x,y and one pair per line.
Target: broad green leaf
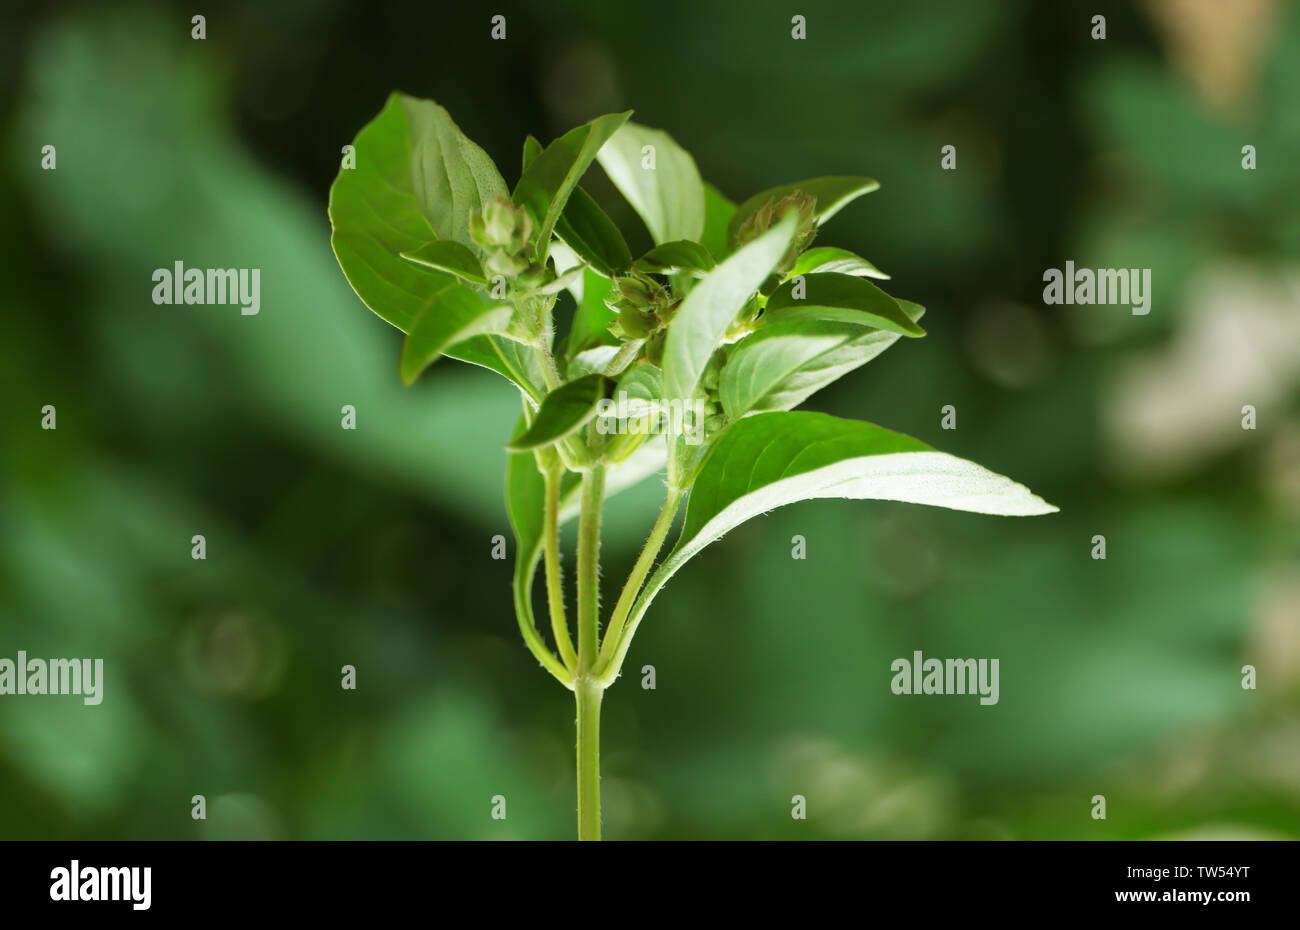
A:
x,y
452,178
829,258
449,256
702,320
667,192
551,176
584,227
773,459
830,296
376,214
563,410
781,364
680,255
718,211
457,313
832,194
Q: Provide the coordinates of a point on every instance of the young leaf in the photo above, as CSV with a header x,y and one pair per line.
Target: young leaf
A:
x,y
718,211
376,214
829,258
532,148
702,319
584,227
551,177
668,193
829,296
592,319
780,365
456,313
832,194
564,410
449,256
680,255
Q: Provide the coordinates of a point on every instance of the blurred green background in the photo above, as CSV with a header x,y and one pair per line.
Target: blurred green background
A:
x,y
371,547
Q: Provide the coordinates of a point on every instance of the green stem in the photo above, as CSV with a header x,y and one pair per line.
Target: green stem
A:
x,y
593,497
588,693
645,561
554,583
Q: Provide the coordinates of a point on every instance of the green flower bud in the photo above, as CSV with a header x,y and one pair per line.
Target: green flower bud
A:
x,y
804,205
501,226
635,323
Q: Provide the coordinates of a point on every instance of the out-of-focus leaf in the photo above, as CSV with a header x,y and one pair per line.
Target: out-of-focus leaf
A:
x,y
592,319
718,211
670,195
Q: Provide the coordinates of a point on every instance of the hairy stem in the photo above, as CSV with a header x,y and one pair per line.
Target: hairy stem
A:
x,y
554,583
593,497
588,694
645,561
587,690
528,625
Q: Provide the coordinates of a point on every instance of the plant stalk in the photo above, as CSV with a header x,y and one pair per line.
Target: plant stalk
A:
x,y
588,693
587,690
554,582
644,562
593,498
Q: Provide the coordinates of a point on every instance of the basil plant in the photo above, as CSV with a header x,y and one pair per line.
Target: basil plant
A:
x,y
686,361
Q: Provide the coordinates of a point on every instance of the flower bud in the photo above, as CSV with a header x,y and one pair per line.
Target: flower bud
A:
x,y
501,226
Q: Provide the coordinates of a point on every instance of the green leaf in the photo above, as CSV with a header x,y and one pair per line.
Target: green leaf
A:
x,y
449,256
681,255
781,364
830,296
670,196
829,258
592,319
532,148
584,227
377,212
563,410
640,390
551,177
832,194
704,316
718,211
773,459
591,361
456,314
